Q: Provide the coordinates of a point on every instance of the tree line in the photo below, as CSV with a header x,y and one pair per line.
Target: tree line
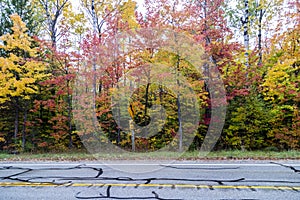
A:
x,y
46,44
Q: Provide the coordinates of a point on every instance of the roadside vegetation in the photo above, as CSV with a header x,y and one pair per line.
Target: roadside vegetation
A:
x,y
194,155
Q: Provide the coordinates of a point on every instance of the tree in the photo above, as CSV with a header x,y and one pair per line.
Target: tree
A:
x,y
21,70
281,84
251,18
99,12
52,11
25,10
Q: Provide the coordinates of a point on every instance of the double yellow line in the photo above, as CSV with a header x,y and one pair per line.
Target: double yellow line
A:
x,y
252,187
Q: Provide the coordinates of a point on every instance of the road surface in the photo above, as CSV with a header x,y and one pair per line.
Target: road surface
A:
x,y
220,180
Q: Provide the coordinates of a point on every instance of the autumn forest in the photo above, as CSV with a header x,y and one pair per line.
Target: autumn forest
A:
x,y
64,61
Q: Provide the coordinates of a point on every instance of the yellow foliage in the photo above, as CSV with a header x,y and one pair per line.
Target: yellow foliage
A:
x,y
19,71
2,139
128,13
76,22
282,76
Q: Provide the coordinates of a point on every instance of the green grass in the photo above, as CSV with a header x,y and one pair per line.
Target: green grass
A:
x,y
81,156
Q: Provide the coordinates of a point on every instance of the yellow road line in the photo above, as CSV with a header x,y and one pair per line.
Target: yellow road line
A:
x,y
263,187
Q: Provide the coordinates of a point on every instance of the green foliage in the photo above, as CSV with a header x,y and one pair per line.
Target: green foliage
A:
x,y
25,9
248,122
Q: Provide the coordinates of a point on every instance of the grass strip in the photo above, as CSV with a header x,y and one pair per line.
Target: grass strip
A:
x,y
195,155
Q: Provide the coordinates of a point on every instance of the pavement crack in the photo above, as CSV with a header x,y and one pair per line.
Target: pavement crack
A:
x,y
109,195
98,177
19,176
287,166
198,168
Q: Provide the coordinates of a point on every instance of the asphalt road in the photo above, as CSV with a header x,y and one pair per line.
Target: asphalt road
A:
x,y
220,180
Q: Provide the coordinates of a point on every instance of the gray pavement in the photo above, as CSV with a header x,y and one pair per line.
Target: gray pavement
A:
x,y
162,180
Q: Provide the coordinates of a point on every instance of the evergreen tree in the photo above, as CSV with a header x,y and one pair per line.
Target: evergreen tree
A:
x,y
25,9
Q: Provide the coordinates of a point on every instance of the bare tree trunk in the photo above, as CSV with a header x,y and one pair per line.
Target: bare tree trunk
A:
x,y
245,23
261,13
52,15
94,61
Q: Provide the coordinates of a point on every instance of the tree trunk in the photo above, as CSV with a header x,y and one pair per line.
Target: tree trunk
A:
x,y
146,99
94,63
132,140
16,124
119,121
24,126
180,124
179,107
261,13
245,22
69,115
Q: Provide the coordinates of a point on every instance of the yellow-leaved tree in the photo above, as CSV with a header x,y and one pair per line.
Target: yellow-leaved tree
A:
x,y
281,87
21,70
